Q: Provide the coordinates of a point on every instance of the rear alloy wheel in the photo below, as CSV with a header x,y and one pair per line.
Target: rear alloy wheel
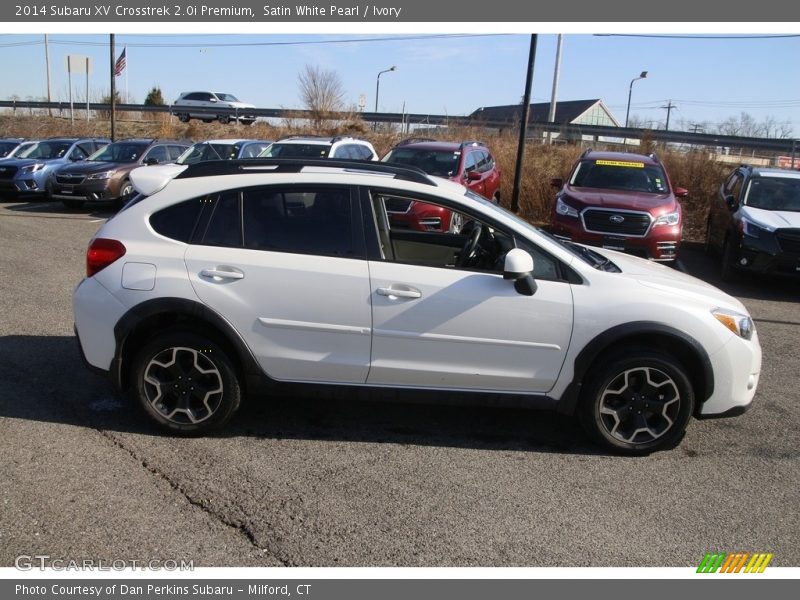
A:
x,y
224,119
456,222
183,118
186,383
637,402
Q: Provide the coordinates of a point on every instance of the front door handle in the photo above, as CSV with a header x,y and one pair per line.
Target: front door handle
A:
x,y
222,273
399,293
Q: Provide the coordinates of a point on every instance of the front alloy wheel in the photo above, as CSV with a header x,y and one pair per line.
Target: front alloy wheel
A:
x,y
637,402
186,383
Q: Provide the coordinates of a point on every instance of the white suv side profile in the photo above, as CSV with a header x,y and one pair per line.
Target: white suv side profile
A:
x,y
210,106
225,276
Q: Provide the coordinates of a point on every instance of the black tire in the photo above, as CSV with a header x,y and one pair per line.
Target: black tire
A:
x,y
73,203
496,199
183,118
208,120
728,267
622,395
185,361
248,122
224,119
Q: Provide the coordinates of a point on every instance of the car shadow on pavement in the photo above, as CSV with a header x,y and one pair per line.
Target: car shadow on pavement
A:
x,y
44,380
56,209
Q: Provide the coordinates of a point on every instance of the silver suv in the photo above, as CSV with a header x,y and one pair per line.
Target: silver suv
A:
x,y
210,106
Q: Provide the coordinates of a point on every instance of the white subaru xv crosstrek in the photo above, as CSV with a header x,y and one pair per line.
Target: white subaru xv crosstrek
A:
x,y
226,276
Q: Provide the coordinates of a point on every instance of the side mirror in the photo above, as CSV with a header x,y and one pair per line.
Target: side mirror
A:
x,y
212,99
473,176
730,202
151,161
681,192
556,182
518,267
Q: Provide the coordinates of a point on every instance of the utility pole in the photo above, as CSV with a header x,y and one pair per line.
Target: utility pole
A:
x,y
113,89
523,127
551,118
668,108
47,62
695,127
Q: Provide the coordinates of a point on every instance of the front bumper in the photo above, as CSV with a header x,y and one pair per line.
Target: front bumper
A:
x,y
765,255
737,367
95,191
661,243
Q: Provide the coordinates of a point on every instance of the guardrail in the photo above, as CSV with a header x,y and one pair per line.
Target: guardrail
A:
x,y
535,129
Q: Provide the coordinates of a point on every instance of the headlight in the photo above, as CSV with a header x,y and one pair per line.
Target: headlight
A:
x,y
565,209
750,229
741,325
32,168
103,175
669,219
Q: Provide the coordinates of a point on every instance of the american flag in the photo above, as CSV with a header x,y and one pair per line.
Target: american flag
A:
x,y
119,66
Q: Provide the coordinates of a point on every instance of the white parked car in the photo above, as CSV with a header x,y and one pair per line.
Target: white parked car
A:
x,y
210,106
302,147
227,274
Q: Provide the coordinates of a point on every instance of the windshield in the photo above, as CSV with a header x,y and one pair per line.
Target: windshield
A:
x,y
227,97
626,175
443,163
6,147
296,151
206,151
773,193
120,152
47,150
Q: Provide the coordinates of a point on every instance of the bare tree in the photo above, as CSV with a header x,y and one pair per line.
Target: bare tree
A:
x,y
746,125
321,91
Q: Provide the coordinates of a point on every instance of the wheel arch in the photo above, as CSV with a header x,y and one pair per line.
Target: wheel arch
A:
x,y
649,334
155,316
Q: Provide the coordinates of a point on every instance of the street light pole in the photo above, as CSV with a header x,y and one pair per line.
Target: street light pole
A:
x,y
378,91
630,91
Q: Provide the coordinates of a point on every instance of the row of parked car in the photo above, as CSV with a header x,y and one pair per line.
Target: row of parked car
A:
x,y
620,201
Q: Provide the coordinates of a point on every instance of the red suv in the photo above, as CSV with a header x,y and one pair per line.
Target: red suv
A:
x,y
620,201
468,163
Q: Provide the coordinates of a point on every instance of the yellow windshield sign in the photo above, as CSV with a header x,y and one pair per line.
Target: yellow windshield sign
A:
x,y
620,163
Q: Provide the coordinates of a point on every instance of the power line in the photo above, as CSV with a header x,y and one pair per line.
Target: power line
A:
x,y
700,37
72,42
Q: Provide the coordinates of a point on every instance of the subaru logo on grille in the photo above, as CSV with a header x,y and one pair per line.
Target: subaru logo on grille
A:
x,y
616,219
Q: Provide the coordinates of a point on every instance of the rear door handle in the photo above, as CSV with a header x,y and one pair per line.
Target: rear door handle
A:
x,y
399,293
222,273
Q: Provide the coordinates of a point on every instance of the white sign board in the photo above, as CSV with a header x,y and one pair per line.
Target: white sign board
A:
x,y
76,63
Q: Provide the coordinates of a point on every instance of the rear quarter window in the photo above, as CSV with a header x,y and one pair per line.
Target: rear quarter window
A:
x,y
178,221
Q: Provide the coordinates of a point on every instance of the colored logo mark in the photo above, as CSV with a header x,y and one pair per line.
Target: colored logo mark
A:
x,y
739,562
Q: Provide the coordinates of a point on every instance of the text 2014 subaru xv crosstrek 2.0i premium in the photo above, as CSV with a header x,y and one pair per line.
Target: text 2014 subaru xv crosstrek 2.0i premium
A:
x,y
224,276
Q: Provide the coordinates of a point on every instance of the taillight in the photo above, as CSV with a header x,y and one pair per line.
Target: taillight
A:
x,y
101,253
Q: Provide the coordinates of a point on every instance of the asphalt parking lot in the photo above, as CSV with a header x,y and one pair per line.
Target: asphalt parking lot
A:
x,y
316,481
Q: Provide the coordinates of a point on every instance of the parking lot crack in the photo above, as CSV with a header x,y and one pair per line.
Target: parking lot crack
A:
x,y
242,527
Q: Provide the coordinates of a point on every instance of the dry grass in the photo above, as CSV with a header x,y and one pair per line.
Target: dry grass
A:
x,y
694,170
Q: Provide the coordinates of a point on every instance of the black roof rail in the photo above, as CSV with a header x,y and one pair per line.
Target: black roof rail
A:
x,y
586,152
472,143
415,140
654,157
292,165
